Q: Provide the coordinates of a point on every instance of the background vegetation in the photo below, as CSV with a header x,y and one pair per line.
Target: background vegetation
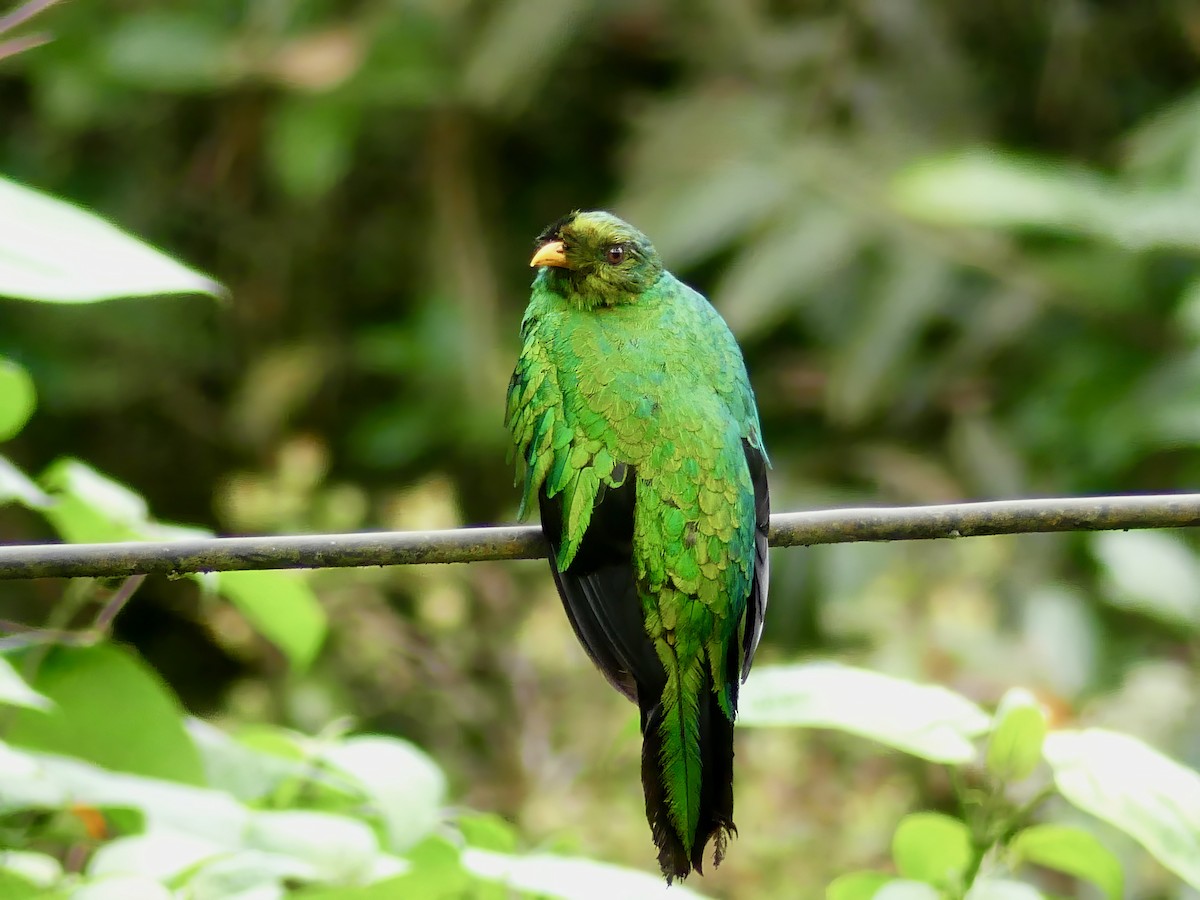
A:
x,y
957,241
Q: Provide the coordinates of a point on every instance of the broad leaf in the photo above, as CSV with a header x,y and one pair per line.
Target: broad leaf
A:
x,y
211,815
1135,788
122,887
25,783
15,692
17,398
16,485
1072,850
907,890
1015,747
282,608
570,878
38,869
932,847
924,720
404,784
52,250
157,854
1002,889
1154,573
339,849
142,734
857,885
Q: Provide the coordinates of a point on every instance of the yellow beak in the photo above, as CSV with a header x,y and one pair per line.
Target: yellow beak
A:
x,y
550,254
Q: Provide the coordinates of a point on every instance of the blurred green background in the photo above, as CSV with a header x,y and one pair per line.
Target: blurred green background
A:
x,y
957,241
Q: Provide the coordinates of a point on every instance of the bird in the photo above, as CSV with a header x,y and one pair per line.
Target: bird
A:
x,y
637,435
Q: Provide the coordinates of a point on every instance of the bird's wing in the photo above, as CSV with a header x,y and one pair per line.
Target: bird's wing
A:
x,y
756,607
599,593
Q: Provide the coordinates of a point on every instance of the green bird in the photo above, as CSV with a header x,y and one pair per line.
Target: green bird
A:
x,y
637,432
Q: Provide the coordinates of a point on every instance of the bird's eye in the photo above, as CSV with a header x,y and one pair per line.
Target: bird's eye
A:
x,y
616,253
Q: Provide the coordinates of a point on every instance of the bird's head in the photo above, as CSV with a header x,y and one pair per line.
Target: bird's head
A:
x,y
594,259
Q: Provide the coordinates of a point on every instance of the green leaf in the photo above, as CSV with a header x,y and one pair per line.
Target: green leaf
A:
x,y
25,784
90,507
1002,889
161,50
14,886
925,720
15,692
1071,850
1015,747
932,847
164,805
142,734
122,887
37,869
1135,788
282,608
1151,572
907,890
569,878
157,854
54,251
431,871
857,885
989,188
17,398
339,849
404,784
16,485
310,143
245,875
487,831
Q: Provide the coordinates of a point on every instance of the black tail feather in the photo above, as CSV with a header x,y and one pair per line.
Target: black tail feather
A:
x,y
716,786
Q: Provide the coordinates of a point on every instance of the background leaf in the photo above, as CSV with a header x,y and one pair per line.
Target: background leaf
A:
x,y
1015,746
144,734
1072,850
17,398
933,848
1135,788
924,720
281,607
58,252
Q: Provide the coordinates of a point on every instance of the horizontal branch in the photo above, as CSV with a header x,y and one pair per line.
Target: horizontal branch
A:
x,y
393,548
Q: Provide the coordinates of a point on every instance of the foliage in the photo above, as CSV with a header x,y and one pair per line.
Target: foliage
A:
x,y
957,241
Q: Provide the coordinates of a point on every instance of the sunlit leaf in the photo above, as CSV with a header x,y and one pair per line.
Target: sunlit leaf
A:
x,y
25,784
989,188
570,878
1002,889
157,854
924,720
245,875
16,485
1152,572
406,786
932,847
1015,746
338,848
15,886
282,608
1071,850
58,252
15,692
122,887
1135,788
907,890
170,805
39,869
857,885
141,734
487,831
17,398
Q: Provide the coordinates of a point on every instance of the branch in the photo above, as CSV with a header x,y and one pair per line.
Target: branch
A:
x,y
392,548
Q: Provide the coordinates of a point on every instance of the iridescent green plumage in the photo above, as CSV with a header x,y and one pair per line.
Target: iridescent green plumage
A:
x,y
638,437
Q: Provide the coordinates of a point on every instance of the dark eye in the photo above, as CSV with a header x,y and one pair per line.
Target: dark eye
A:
x,y
616,253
